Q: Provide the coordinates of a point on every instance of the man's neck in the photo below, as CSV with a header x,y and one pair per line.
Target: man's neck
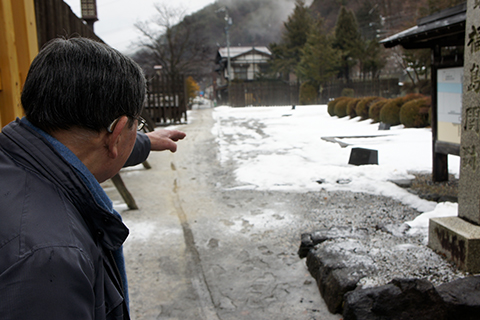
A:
x,y
88,146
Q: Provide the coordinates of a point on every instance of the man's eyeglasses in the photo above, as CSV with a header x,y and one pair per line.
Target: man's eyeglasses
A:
x,y
140,124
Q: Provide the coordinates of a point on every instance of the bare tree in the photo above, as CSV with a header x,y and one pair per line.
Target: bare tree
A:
x,y
171,41
416,64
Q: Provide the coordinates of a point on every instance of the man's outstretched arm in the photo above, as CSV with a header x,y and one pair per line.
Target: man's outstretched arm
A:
x,y
158,140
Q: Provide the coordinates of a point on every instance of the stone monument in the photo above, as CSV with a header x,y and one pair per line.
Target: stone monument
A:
x,y
459,237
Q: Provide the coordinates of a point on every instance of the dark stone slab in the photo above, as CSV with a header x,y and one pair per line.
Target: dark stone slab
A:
x,y
462,298
361,156
310,240
383,126
338,264
337,261
334,278
401,299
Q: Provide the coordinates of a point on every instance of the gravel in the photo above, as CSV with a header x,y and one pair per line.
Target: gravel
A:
x,y
425,188
394,253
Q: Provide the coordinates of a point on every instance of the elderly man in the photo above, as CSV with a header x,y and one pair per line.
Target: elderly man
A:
x,y
60,239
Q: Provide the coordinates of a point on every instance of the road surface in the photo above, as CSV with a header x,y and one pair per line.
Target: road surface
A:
x,y
203,247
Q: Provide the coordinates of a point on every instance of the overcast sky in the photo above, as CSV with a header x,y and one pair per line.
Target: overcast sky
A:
x,y
117,17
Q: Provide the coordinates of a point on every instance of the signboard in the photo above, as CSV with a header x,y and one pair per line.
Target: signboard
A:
x,y
449,104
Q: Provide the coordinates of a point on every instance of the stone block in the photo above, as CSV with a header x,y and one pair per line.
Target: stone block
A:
x,y
310,240
361,156
469,185
461,298
337,267
333,277
383,126
458,240
399,300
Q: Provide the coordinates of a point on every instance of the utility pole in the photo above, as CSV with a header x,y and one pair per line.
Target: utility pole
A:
x,y
228,23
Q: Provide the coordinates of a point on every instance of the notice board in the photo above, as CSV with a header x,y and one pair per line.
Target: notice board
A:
x,y
449,104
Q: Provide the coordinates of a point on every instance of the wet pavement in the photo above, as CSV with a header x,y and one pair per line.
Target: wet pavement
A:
x,y
202,247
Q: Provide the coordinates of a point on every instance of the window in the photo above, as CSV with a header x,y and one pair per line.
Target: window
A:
x,y
240,72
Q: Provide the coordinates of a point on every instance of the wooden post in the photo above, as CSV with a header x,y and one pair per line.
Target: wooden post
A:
x,y
122,189
18,47
440,160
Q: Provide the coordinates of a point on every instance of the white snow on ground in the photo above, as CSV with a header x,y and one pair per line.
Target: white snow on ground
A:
x,y
280,148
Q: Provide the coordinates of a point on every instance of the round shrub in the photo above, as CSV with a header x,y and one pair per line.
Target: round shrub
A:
x,y
341,107
331,105
390,113
363,106
348,92
415,113
351,107
308,93
412,96
374,111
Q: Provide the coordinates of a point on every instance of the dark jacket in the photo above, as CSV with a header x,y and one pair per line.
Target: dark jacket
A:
x,y
56,242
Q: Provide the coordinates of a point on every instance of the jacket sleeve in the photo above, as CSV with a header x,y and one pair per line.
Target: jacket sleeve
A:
x,y
50,283
140,151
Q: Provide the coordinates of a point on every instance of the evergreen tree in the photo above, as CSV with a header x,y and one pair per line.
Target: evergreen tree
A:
x,y
320,61
287,54
371,59
347,40
434,6
369,19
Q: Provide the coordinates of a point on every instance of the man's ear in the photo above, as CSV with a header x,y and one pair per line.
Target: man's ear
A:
x,y
113,138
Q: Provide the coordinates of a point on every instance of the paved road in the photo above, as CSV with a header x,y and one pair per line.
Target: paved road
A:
x,y
202,248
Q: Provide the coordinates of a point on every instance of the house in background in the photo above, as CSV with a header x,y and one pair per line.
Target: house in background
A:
x,y
245,64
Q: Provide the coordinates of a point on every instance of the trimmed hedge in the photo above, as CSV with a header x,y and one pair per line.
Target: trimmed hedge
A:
x,y
351,107
348,92
308,93
363,106
374,111
390,113
331,105
341,107
415,113
412,96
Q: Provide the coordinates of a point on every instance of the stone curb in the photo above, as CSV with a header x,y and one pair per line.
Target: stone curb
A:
x,y
338,266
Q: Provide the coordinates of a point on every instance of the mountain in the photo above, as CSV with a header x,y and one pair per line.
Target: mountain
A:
x,y
254,22
261,22
380,18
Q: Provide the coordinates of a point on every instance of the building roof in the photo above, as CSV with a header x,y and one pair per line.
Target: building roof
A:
x,y
238,51
445,28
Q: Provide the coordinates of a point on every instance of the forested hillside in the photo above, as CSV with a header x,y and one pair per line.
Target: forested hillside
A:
x,y
260,22
384,17
189,47
254,22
